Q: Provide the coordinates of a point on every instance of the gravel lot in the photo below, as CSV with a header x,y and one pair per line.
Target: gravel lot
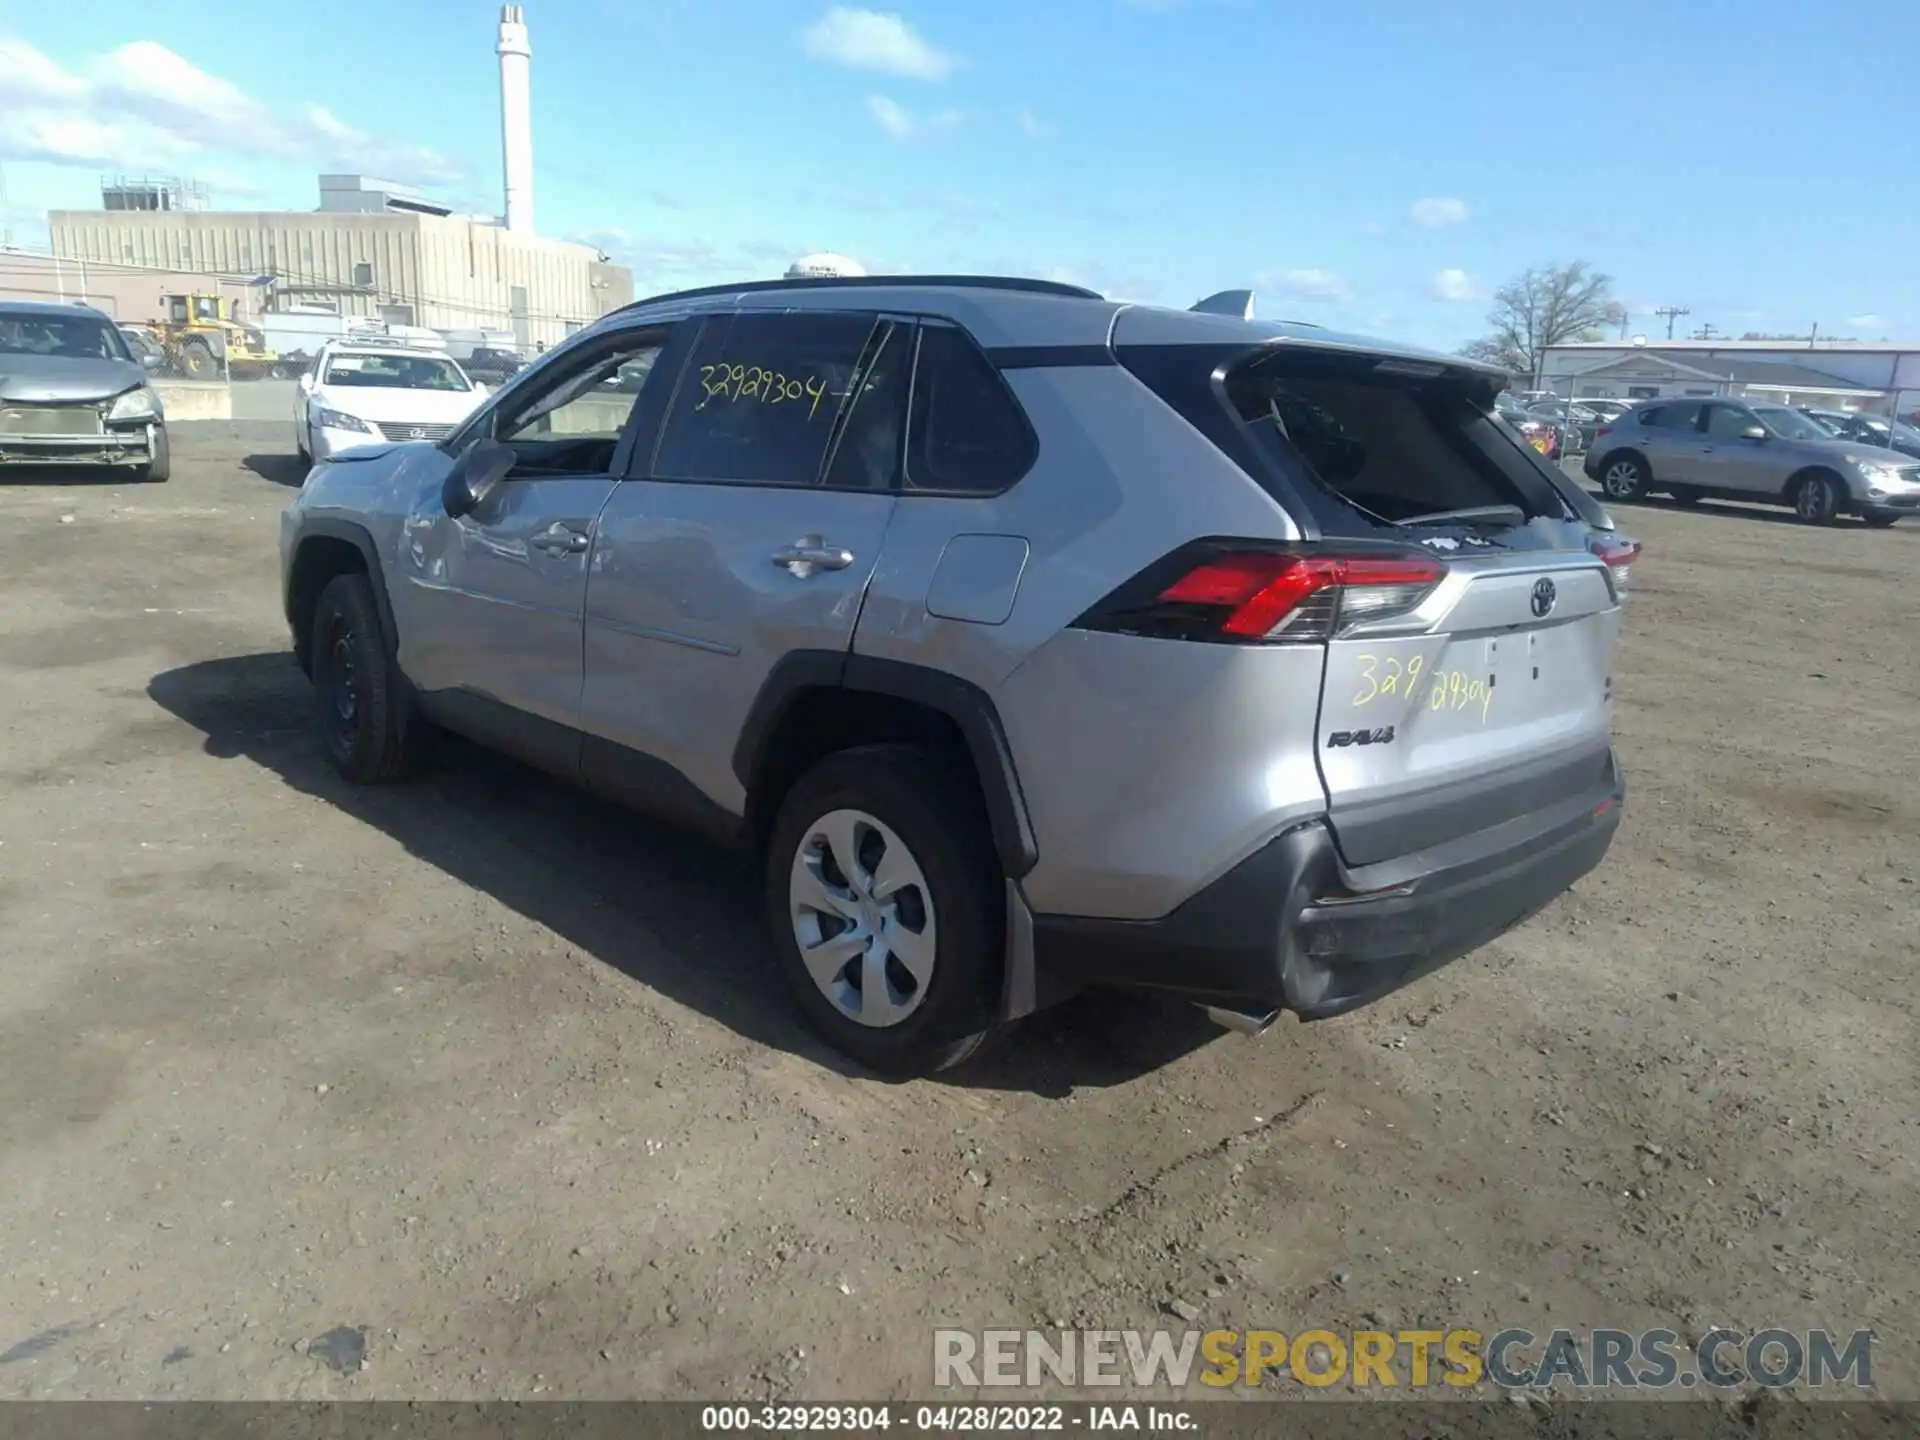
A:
x,y
501,1077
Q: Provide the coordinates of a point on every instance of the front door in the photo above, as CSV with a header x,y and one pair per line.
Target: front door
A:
x,y
489,605
1729,458
751,534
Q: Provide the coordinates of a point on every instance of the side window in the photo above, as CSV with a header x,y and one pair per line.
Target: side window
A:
x,y
1728,422
572,424
1671,417
967,433
766,395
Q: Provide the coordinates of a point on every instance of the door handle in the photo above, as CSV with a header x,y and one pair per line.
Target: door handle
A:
x,y
810,554
559,539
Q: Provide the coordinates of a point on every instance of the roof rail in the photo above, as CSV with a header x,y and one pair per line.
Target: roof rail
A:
x,y
871,282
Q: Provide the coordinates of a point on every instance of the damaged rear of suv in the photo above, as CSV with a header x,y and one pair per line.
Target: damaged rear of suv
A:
x,y
1368,729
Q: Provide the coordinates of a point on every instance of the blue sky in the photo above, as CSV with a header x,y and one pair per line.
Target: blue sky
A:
x,y
1367,164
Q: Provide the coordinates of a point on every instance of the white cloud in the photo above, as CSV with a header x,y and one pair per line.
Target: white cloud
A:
x,y
1455,284
1437,212
902,124
1304,285
1869,321
874,40
1032,126
144,105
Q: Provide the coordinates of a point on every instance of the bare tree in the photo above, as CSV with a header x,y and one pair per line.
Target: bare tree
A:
x,y
1546,306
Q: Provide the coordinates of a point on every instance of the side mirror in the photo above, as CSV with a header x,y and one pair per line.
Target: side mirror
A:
x,y
475,475
149,360
1754,432
306,379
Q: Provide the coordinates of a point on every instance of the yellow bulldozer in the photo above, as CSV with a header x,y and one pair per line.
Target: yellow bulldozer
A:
x,y
202,339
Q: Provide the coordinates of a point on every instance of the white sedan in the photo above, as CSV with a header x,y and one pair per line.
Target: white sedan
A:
x,y
363,394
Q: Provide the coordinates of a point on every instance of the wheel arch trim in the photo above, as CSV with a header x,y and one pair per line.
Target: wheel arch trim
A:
x,y
356,535
970,708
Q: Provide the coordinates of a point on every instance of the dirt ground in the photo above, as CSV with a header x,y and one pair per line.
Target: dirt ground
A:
x,y
502,1078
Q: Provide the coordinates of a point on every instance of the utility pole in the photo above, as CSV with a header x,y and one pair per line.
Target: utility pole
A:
x,y
1624,317
1672,313
1705,332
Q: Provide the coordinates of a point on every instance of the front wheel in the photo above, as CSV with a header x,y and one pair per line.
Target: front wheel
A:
x,y
359,699
886,908
157,470
1816,500
1624,477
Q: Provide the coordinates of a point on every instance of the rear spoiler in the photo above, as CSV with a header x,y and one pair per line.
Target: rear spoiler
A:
x,y
1237,303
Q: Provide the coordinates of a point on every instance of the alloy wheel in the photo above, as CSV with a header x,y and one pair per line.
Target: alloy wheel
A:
x,y
863,918
1622,480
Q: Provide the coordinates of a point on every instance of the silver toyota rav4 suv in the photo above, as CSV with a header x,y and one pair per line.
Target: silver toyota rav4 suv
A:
x,y
1032,641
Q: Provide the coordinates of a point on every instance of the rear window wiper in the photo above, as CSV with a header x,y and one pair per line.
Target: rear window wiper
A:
x,y
1506,516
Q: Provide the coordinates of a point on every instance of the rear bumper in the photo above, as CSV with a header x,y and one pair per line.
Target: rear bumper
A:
x,y
1292,927
132,446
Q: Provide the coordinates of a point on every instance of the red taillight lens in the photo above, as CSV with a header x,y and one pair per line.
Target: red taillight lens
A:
x,y
1255,595
1600,430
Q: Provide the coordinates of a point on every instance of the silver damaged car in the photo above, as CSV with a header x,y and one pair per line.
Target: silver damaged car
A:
x,y
1030,641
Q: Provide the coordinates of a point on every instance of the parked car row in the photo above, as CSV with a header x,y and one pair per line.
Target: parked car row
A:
x,y
1748,450
1868,429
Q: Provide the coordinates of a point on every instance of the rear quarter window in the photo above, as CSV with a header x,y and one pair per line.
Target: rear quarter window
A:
x,y
967,434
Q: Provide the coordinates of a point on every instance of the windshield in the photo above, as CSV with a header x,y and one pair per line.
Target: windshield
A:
x,y
73,337
1791,424
395,372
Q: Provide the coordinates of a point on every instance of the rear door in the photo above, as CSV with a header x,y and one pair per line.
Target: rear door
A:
x,y
748,534
1670,434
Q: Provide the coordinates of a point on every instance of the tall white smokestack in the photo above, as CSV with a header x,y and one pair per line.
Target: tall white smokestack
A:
x,y
516,116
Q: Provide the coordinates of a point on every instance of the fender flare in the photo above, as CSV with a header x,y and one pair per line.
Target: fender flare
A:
x,y
969,707
356,535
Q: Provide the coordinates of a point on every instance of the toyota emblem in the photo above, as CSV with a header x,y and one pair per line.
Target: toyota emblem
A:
x,y
416,433
1543,597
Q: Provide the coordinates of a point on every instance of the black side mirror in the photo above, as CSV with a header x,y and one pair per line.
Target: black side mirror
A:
x,y
1754,432
475,475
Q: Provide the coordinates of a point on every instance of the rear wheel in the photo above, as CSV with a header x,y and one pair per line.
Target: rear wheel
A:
x,y
359,700
1816,499
885,907
1625,477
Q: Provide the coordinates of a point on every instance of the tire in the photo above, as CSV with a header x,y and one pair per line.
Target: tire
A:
x,y
1816,499
158,470
300,442
1684,494
1880,519
1624,478
893,812
360,702
196,360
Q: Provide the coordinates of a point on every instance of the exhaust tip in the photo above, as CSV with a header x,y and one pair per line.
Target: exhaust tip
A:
x,y
1242,1022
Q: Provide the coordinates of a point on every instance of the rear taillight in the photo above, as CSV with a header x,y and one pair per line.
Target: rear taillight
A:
x,y
1220,593
1600,430
1619,553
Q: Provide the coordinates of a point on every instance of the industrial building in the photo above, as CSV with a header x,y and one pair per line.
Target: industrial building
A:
x,y
371,248
1839,374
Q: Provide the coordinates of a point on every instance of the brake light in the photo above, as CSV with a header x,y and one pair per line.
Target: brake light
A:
x,y
1619,553
1600,430
1249,596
